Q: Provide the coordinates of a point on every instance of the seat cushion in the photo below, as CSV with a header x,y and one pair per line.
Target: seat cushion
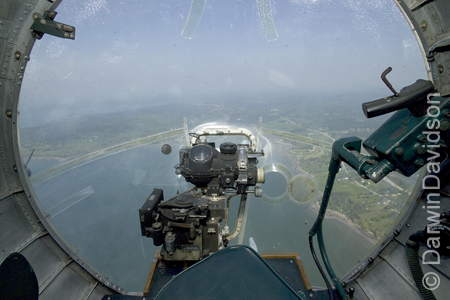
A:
x,y
237,272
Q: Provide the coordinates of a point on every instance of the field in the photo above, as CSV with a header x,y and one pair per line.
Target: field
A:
x,y
309,133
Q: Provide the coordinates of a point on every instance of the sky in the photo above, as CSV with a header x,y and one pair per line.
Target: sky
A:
x,y
131,53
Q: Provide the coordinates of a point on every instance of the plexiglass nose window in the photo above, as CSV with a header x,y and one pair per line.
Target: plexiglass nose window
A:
x,y
96,112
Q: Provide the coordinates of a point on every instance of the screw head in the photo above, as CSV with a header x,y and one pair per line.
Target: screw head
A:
x,y
423,25
52,14
422,149
422,138
446,113
419,162
444,125
399,152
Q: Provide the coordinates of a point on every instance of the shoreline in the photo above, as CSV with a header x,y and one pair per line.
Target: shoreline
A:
x,y
331,214
314,205
60,159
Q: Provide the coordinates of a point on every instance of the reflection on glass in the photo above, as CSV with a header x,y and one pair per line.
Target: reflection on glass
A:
x,y
195,15
130,83
265,14
278,186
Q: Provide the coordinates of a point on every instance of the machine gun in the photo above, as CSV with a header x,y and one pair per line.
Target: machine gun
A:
x,y
414,136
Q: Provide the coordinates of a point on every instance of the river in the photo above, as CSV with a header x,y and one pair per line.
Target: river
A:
x,y
95,207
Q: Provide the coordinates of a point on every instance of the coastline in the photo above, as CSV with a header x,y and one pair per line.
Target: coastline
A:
x,y
330,214
60,159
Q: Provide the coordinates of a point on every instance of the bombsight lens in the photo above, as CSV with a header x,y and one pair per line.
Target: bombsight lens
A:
x,y
200,153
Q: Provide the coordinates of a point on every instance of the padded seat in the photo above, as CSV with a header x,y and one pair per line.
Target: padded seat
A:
x,y
237,272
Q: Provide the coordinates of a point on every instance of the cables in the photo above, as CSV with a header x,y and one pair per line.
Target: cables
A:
x,y
311,246
333,169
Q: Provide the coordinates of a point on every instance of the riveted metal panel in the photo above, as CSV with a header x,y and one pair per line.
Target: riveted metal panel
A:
x,y
8,9
99,292
46,258
4,28
442,71
359,292
4,186
16,51
399,257
70,284
5,57
385,283
11,184
431,20
15,227
23,13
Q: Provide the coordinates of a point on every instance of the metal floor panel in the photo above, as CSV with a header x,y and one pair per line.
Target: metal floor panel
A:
x,y
442,292
399,257
419,221
383,282
359,293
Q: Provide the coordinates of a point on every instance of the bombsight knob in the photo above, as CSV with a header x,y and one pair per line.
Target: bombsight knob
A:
x,y
258,191
260,175
228,148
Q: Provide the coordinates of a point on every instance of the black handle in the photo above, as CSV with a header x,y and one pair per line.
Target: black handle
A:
x,y
410,96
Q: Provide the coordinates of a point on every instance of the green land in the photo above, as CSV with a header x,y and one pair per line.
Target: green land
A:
x,y
308,130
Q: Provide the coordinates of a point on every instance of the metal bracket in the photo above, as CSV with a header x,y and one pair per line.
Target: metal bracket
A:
x,y
45,24
418,3
217,131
